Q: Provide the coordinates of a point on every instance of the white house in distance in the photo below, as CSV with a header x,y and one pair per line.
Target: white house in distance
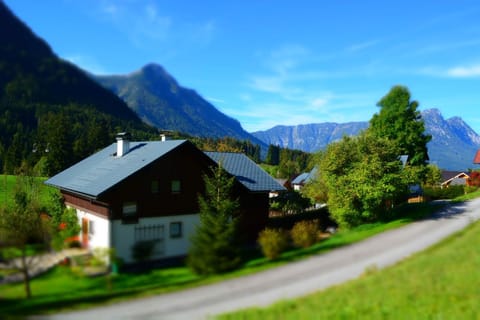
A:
x,y
131,192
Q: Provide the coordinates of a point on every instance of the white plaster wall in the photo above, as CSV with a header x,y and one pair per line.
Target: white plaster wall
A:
x,y
123,235
101,230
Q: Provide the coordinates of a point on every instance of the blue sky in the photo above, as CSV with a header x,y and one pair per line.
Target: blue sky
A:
x,y
268,62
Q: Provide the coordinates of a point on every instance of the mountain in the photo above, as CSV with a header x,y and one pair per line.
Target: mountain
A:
x,y
309,137
27,60
45,100
453,143
452,147
159,100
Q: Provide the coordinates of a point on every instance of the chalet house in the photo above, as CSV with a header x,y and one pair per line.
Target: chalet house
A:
x,y
132,192
454,178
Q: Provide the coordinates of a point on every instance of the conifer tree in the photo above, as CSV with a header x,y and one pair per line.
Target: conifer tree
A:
x,y
214,247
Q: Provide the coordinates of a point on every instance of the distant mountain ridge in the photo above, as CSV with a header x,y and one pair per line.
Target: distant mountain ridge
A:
x,y
452,147
159,100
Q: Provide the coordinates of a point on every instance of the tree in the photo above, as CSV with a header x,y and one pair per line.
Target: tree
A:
x,y
273,155
63,221
214,247
433,176
23,230
401,122
363,178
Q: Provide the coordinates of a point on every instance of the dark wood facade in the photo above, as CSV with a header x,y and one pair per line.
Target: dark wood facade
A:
x,y
151,187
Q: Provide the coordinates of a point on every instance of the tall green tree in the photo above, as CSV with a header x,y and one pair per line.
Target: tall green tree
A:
x,y
273,155
400,121
56,141
214,247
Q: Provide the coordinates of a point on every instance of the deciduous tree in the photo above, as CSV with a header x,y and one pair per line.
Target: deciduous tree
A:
x,y
363,177
23,231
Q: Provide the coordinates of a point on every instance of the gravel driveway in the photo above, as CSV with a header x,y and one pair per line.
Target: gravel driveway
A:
x,y
295,279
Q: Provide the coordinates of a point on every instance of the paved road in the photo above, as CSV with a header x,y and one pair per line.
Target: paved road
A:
x,y
295,279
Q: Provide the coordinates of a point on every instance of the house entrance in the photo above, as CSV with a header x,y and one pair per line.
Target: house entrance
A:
x,y
84,232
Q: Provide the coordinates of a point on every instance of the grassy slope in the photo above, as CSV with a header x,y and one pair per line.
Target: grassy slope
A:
x,y
63,289
439,283
7,187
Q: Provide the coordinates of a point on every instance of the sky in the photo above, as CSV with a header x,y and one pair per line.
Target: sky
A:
x,y
281,62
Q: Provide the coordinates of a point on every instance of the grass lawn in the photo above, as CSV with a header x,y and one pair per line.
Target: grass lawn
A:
x,y
63,289
439,283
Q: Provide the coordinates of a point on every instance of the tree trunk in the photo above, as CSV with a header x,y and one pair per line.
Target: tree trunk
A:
x,y
26,275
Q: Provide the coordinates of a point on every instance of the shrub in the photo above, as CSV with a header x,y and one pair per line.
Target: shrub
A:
x,y
273,242
305,233
449,192
143,250
470,189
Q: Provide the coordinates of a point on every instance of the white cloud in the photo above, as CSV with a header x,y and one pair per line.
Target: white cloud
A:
x,y
289,93
464,71
362,46
87,63
214,100
146,21
263,113
470,71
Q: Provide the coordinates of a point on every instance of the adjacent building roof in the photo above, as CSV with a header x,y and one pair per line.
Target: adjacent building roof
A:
x,y
102,170
454,177
246,171
305,177
404,160
476,159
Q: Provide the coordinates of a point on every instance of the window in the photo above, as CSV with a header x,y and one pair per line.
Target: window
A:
x,y
175,230
91,229
129,209
176,186
150,236
149,232
154,187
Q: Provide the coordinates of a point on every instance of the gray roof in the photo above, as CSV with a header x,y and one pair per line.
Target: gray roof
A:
x,y
305,177
102,170
246,171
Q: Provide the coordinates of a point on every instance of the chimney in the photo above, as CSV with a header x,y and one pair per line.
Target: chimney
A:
x,y
123,143
163,137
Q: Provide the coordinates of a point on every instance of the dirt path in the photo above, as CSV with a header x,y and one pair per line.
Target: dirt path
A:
x,y
295,279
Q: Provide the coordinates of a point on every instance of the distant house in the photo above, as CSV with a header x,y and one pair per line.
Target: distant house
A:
x,y
132,192
454,178
299,182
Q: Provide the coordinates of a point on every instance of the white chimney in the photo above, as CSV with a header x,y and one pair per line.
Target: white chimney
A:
x,y
123,143
163,137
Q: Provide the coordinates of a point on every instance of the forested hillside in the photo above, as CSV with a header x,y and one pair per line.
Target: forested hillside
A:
x,y
49,108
